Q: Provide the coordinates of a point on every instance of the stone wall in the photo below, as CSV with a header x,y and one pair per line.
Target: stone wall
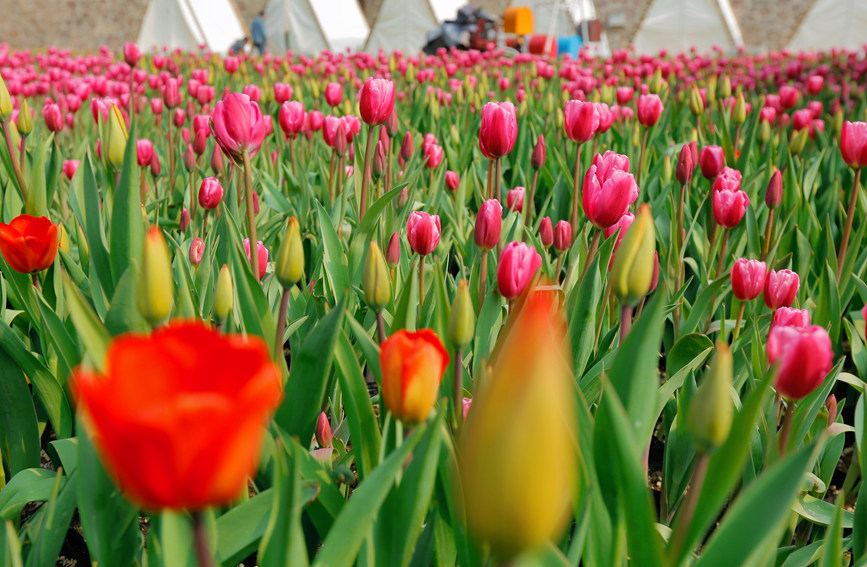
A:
x,y
85,24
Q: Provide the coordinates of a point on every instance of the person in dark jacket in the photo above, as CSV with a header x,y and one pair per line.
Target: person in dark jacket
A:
x,y
258,32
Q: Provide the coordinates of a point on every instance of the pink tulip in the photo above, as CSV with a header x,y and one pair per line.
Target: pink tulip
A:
x,y
748,278
261,253
433,155
156,106
768,114
814,84
282,92
171,93
518,264
69,168
609,189
131,54
333,94
217,160
624,95
144,150
649,109
197,250
452,180
238,125
801,119
728,179
853,144
231,64
184,222
515,199
781,288
53,117
376,101
254,92
315,120
729,206
210,193
546,232
179,118
489,225
788,97
499,128
537,160
581,120
774,191
562,236
804,359
790,317
423,232
323,432
711,160
291,118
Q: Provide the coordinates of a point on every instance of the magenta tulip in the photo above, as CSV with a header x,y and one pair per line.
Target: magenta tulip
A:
x,y
853,144
261,253
518,264
489,224
649,109
581,120
238,125
499,128
609,189
804,358
423,232
376,101
748,278
210,193
781,288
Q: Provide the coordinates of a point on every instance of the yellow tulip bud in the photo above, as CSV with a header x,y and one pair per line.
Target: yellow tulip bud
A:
x,y
696,104
116,138
837,121
156,287
710,94
63,237
655,85
516,494
764,131
725,87
5,102
739,113
636,135
289,263
25,119
435,109
798,141
315,89
632,272
709,418
375,279
224,297
462,323
83,248
561,119
666,169
549,103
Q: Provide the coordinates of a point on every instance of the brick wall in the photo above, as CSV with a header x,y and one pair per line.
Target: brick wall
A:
x,y
85,24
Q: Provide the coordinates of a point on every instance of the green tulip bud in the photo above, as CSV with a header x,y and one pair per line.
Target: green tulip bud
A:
x,y
710,94
739,114
116,139
709,418
156,286
655,85
632,272
798,141
696,104
83,248
764,131
725,87
25,119
375,279
289,263
224,298
549,103
666,169
5,102
462,321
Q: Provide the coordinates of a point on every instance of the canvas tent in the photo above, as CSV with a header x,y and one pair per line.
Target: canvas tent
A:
x,y
404,24
190,23
678,25
310,26
831,23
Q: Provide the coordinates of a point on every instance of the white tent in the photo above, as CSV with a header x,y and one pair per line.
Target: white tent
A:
x,y
557,18
832,23
310,26
679,25
190,23
404,24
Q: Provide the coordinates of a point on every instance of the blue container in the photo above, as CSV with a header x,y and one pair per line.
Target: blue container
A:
x,y
569,44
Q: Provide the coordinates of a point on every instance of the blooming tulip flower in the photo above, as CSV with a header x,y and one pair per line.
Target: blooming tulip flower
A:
x,y
609,189
790,317
489,223
423,232
729,206
581,120
376,101
518,264
853,144
291,118
238,125
804,357
53,117
412,366
155,386
144,151
748,278
781,288
333,94
282,92
261,254
649,109
29,244
499,128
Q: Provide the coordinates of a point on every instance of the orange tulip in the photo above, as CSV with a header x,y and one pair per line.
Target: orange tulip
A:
x,y
177,417
412,365
28,243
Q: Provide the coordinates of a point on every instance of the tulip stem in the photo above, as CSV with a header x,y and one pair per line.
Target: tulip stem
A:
x,y
528,203
559,266
420,283
769,231
681,525
737,330
489,190
499,176
625,321
331,178
13,157
251,215
281,322
171,156
22,156
291,143
141,186
35,279
641,156
722,252
200,535
680,246
786,429
458,387
483,278
380,327
365,179
850,216
591,252
576,183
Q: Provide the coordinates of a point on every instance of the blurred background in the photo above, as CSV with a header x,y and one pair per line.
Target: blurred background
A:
x,y
311,25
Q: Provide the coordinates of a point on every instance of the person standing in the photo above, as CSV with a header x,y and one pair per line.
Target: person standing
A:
x,y
258,32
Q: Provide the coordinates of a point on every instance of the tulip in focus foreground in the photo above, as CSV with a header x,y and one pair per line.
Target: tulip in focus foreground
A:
x,y
376,101
29,244
518,464
412,363
518,264
178,416
499,128
804,357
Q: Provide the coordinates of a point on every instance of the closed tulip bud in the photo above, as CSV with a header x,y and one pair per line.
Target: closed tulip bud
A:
x,y
748,278
210,193
781,288
516,496
515,199
224,296
489,225
184,223
685,166
581,120
261,254
70,166
375,280
710,93
853,144
804,358
391,125
289,263
333,94
340,144
144,150
831,408
406,147
131,54
452,180
116,137
499,128
711,160
403,196
632,272
725,87
156,287
412,365
197,250
764,131
739,113
25,119
696,104
774,192
5,102
517,266
710,414
798,140
190,158
392,252
655,85
323,431
666,169
217,160
837,120
462,322
546,232
562,236
649,109
538,158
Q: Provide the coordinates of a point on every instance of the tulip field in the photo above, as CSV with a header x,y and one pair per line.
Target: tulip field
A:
x,y
463,309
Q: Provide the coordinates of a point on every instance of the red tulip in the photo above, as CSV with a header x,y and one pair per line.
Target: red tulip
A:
x,y
853,144
685,165
156,106
562,236
323,432
546,232
218,389
210,193
238,125
814,84
392,251
518,264
801,119
499,128
788,97
489,225
581,120
728,179
144,151
711,160
804,357
624,95
537,160
781,288
376,101
790,317
649,109
515,199
406,147
423,232
29,244
748,278
261,253
768,114
172,93
774,191
179,118
609,189
452,180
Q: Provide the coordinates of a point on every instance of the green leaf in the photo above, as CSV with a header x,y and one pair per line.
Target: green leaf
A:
x,y
283,541
19,428
127,228
832,555
29,485
93,334
582,322
334,262
240,529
